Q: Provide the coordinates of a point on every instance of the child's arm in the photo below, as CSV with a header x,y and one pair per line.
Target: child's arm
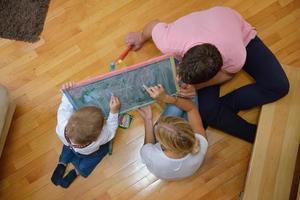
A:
x,y
114,105
219,78
111,125
158,93
146,114
137,39
194,116
64,113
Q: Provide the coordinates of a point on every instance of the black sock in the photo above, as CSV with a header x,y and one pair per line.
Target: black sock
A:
x,y
69,178
58,173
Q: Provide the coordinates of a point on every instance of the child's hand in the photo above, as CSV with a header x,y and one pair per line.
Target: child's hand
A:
x,y
145,112
68,85
156,92
186,91
135,39
114,104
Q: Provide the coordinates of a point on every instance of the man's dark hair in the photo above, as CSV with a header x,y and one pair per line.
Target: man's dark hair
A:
x,y
200,63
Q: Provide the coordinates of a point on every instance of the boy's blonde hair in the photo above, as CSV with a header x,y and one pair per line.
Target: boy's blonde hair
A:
x,y
176,135
85,125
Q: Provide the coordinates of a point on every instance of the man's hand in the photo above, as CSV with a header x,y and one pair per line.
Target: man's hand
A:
x,y
145,112
114,104
136,39
156,92
186,91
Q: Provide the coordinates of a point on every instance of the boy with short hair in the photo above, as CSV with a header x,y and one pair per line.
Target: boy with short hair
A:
x,y
85,135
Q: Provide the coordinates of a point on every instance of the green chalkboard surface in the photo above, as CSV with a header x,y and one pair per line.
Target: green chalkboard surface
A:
x,y
126,84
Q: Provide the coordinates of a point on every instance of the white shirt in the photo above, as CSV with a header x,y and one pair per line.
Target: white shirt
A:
x,y
108,131
167,168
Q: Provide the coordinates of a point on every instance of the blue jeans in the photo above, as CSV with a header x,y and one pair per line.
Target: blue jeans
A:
x,y
270,85
84,164
172,110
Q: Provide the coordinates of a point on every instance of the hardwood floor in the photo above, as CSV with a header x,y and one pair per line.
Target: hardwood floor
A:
x,y
80,39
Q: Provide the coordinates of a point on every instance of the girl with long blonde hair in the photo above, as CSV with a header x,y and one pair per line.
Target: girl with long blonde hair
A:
x,y
174,148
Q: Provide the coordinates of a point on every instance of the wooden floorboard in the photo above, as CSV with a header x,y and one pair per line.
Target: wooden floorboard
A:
x,y
80,39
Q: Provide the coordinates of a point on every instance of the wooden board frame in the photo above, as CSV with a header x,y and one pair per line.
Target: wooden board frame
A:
x,y
120,71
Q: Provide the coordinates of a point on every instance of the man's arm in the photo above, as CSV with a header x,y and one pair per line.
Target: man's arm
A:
x,y
219,78
147,30
189,91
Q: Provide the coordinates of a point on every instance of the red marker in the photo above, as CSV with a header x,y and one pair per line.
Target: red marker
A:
x,y
124,53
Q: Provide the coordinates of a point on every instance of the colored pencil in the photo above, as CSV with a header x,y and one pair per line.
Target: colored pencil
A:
x,y
124,53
